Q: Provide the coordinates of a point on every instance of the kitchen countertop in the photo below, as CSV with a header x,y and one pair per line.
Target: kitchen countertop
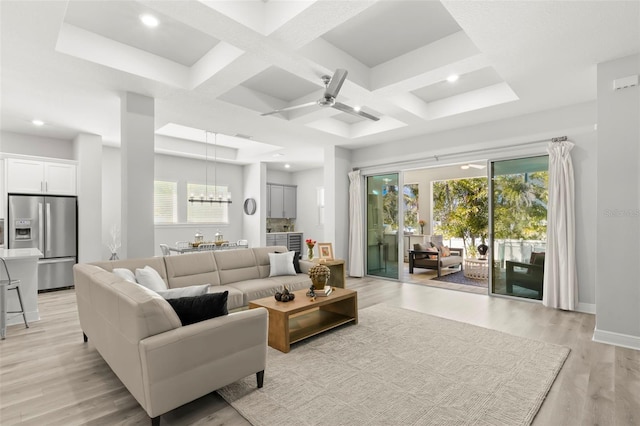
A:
x,y
21,253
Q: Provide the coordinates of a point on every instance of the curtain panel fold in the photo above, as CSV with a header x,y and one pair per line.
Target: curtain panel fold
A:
x,y
356,258
560,287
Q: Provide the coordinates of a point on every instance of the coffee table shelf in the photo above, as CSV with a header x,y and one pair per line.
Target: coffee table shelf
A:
x,y
291,322
315,322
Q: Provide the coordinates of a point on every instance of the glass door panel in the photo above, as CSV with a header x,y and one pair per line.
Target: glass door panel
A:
x,y
519,194
382,225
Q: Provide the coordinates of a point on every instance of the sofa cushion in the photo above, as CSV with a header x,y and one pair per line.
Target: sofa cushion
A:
x,y
281,264
150,278
200,308
261,255
190,291
236,265
156,263
192,269
235,299
267,287
125,274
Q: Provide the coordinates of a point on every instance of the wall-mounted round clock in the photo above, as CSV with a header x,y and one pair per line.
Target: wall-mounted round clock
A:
x,y
249,206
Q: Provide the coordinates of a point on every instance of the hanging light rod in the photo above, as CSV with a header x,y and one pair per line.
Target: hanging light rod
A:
x,y
216,197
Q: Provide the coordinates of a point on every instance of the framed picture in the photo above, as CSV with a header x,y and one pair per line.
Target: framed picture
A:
x,y
325,251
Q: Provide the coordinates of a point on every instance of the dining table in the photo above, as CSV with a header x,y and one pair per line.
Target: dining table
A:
x,y
207,247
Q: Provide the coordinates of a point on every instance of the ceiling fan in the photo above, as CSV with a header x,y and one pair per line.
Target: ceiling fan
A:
x,y
332,86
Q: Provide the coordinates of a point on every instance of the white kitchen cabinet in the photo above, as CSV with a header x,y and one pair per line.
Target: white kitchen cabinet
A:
x,y
40,177
281,201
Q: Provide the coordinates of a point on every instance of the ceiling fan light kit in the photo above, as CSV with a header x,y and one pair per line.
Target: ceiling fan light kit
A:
x,y
332,84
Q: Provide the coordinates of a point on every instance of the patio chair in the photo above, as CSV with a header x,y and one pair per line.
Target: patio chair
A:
x,y
527,275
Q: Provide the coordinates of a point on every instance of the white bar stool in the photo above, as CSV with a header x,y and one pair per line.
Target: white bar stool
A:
x,y
5,285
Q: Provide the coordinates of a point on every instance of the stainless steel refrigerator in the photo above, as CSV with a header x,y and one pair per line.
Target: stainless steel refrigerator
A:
x,y
48,223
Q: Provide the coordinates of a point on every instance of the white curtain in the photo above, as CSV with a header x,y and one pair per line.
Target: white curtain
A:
x,y
560,289
356,258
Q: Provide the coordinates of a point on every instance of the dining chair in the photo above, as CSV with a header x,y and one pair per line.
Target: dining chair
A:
x,y
206,246
182,244
165,250
243,243
6,285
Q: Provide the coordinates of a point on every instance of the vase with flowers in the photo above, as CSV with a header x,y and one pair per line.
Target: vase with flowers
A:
x,y
421,223
310,245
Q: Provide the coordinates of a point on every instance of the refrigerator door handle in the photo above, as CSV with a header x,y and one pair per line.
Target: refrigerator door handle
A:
x,y
40,229
48,225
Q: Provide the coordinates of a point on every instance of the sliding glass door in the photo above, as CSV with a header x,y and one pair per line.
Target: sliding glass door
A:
x,y
519,193
382,225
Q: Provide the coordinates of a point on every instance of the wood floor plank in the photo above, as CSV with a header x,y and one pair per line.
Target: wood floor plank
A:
x,y
49,376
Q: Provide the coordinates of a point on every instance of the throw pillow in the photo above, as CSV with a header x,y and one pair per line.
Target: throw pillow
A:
x,y
125,274
191,291
296,261
150,278
445,251
191,310
281,264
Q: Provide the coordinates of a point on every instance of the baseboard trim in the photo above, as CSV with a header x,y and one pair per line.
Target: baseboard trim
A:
x,y
617,339
586,308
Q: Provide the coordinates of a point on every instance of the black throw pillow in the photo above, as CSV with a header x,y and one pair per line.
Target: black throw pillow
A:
x,y
200,308
296,262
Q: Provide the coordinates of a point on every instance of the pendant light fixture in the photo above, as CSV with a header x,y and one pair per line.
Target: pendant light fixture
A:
x,y
215,196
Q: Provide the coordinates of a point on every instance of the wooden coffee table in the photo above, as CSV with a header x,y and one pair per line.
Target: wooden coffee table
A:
x,y
290,322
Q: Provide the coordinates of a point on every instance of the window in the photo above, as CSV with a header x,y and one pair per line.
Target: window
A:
x,y
207,212
165,202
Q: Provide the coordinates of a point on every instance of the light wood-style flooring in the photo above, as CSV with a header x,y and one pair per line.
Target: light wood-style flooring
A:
x,y
48,376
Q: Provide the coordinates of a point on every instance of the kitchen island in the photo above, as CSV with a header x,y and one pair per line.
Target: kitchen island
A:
x,y
23,266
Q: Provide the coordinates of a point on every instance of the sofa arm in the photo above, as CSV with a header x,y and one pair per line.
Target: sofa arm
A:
x,y
183,364
458,251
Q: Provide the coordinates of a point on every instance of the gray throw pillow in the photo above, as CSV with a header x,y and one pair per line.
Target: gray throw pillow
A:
x,y
191,291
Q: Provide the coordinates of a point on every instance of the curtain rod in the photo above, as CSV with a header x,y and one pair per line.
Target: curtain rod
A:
x,y
474,151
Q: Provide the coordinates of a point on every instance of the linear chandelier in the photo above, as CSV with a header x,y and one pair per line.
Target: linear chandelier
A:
x,y
215,197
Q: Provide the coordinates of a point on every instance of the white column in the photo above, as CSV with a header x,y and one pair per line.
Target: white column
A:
x,y
88,152
137,159
337,165
618,222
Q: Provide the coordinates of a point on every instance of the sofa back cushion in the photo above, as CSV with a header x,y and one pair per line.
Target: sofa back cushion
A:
x,y
236,265
156,263
192,269
262,258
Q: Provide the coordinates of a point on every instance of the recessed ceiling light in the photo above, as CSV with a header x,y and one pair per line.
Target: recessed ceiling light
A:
x,y
149,20
286,166
452,78
464,167
37,122
357,108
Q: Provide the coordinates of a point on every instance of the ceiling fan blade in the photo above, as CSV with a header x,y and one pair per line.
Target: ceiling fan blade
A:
x,y
346,108
336,83
276,111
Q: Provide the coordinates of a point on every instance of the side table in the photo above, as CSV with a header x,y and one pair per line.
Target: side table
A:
x,y
477,269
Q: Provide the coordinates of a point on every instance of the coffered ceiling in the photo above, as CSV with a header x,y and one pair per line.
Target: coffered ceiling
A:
x,y
219,65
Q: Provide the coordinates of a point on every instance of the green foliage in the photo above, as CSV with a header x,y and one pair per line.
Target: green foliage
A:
x,y
410,198
520,204
461,209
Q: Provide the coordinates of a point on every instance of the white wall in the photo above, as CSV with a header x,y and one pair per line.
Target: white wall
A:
x,y
281,177
19,143
307,220
576,122
617,242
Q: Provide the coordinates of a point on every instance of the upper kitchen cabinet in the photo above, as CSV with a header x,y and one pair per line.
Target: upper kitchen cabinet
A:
x,y
281,201
40,177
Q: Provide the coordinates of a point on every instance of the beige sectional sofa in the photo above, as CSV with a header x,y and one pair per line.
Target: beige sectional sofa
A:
x,y
142,339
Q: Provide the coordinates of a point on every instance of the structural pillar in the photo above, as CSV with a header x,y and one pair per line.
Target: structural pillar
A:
x,y
137,115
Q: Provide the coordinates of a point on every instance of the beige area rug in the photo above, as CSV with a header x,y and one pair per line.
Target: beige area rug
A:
x,y
401,367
